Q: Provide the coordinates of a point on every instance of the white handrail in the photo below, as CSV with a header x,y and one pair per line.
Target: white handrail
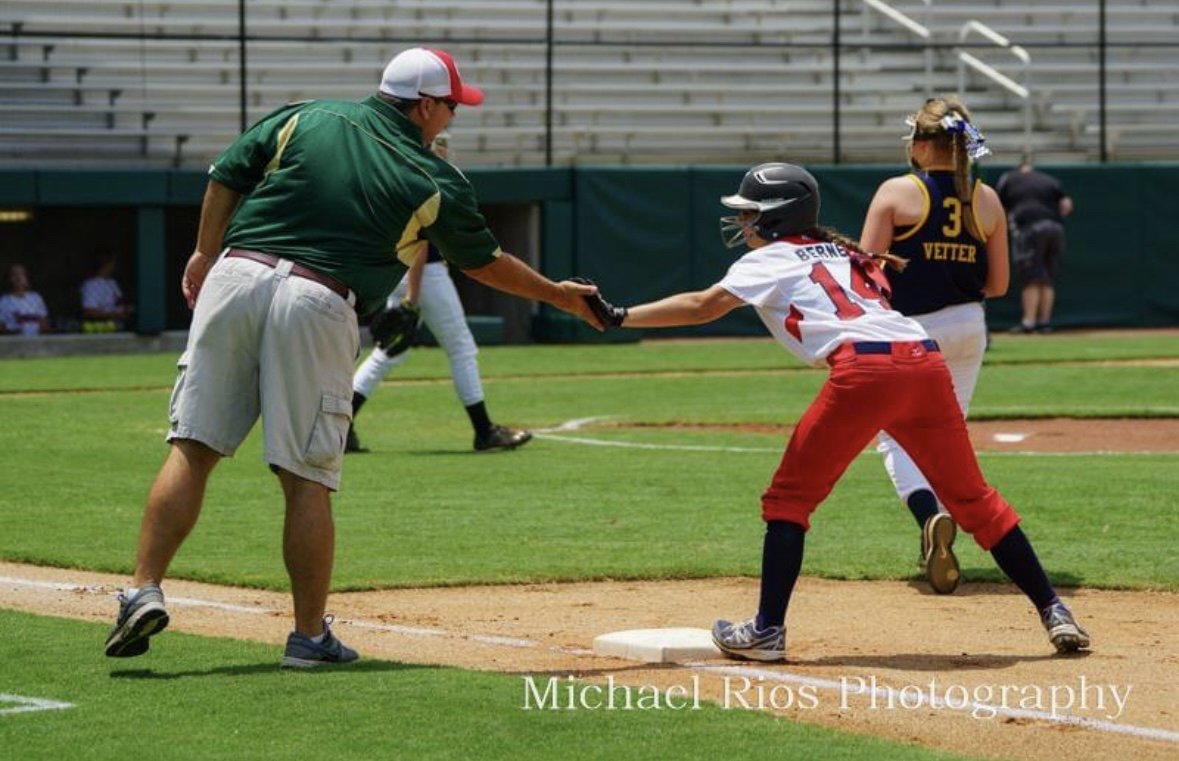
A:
x,y
900,18
993,74
981,28
1020,90
921,30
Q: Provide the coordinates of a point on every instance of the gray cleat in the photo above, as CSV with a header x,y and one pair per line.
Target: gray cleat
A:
x,y
1065,634
745,640
302,653
140,617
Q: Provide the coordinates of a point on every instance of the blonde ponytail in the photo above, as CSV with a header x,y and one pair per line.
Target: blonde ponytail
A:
x,y
964,185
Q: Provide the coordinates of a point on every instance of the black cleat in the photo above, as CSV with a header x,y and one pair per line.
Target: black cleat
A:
x,y
352,444
500,437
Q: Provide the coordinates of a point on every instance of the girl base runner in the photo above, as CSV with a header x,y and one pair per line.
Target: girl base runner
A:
x,y
826,301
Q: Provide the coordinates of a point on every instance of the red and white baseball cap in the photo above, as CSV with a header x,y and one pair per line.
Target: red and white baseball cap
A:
x,y
423,71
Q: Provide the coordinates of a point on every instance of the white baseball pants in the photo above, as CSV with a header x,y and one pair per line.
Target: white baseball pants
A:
x,y
443,314
961,333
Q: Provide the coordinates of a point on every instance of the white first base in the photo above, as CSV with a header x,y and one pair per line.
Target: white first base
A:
x,y
657,645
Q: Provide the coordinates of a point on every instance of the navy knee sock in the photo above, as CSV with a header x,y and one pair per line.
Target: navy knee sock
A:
x,y
358,400
479,419
923,505
781,562
1018,560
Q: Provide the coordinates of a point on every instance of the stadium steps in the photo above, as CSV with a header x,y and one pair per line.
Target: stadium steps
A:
x,y
622,102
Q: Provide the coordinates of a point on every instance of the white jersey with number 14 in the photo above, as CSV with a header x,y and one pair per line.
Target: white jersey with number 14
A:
x,y
812,299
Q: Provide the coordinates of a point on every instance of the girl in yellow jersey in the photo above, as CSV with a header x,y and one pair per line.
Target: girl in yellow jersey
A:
x,y
953,232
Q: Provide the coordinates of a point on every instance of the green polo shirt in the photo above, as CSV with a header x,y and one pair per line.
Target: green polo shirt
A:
x,y
348,189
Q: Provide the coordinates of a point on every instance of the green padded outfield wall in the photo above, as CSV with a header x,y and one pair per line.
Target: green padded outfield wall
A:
x,y
639,232
643,233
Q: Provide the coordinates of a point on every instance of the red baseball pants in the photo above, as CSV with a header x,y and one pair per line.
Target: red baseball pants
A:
x,y
909,395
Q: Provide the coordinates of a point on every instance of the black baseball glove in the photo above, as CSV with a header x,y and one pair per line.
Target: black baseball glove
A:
x,y
610,316
393,329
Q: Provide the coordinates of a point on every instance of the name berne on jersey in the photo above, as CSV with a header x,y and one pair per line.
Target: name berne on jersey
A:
x,y
950,252
820,251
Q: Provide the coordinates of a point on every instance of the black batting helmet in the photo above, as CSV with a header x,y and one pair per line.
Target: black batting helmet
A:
x,y
785,197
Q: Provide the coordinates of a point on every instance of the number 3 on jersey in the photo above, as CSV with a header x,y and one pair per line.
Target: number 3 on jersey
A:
x,y
953,226
844,308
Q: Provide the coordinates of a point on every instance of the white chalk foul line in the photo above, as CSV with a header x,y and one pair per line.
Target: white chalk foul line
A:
x,y
1150,733
554,434
639,445
189,602
28,705
408,631
574,424
889,694
49,585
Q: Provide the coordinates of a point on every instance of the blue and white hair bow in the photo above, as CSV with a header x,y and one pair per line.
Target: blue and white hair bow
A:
x,y
976,147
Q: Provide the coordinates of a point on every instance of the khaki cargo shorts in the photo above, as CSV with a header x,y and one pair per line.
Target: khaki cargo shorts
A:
x,y
266,342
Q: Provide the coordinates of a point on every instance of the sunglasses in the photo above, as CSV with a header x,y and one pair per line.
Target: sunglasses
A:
x,y
451,104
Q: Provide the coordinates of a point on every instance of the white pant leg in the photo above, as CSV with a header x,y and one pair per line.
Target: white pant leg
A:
x,y
961,333
443,314
377,365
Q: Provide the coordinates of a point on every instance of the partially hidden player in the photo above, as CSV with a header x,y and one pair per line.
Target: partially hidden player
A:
x,y
427,294
952,230
1036,205
826,301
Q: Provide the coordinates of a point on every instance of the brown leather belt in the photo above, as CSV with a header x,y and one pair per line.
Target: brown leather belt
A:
x,y
298,270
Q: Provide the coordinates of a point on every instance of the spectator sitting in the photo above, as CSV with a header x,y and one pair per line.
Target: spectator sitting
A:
x,y
22,310
103,307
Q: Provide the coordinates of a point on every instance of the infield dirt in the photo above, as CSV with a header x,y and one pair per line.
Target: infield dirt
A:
x,y
1022,435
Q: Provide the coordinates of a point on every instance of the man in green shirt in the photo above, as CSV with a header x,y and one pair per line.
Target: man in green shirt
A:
x,y
320,208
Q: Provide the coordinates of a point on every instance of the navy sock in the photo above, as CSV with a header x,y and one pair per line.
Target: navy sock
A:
x,y
923,505
358,400
1018,560
479,420
781,562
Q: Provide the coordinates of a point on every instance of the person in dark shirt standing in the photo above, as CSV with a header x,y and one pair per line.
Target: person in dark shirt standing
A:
x,y
1036,207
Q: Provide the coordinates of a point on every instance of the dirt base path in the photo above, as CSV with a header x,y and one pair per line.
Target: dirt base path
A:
x,y
1074,435
982,644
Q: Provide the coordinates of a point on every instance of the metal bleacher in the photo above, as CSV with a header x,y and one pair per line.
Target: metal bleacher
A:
x,y
157,83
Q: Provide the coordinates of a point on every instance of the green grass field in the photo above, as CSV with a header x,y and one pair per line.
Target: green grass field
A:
x,y
83,437
225,699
